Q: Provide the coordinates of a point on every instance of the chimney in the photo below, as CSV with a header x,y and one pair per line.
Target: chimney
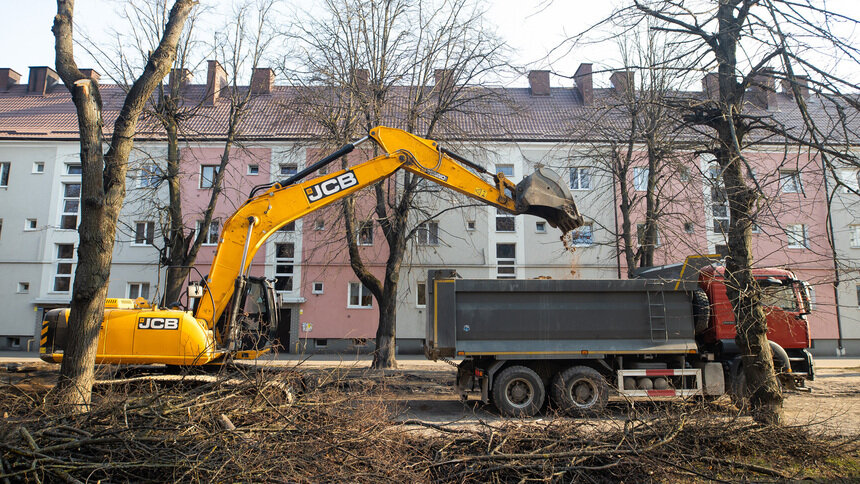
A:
x,y
179,78
711,85
444,78
801,81
584,84
8,78
539,83
361,77
42,79
762,91
216,81
91,74
262,80
624,82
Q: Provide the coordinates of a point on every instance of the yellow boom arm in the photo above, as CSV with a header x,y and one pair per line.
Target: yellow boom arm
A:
x,y
261,216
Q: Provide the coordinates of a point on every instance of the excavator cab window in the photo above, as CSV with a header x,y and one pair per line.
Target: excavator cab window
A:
x,y
257,319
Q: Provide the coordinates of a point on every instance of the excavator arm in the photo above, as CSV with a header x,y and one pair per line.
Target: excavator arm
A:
x,y
244,233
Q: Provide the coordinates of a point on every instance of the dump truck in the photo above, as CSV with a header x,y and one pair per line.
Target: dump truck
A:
x,y
578,341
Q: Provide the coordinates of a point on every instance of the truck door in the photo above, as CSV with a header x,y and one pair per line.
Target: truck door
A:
x,y
785,323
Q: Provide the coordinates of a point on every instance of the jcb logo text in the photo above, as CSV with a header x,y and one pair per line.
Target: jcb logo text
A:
x,y
158,323
331,186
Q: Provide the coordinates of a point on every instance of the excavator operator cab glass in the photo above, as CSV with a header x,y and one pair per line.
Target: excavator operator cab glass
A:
x,y
257,318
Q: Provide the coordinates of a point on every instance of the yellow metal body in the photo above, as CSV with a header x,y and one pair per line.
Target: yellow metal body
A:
x,y
127,334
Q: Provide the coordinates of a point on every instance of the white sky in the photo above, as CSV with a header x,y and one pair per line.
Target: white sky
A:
x,y
531,27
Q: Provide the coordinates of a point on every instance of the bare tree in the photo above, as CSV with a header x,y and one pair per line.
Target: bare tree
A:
x,y
102,190
414,65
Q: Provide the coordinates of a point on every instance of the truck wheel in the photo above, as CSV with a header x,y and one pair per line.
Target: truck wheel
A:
x,y
580,390
518,392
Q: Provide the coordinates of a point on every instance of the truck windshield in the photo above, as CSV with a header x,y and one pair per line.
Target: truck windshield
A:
x,y
779,296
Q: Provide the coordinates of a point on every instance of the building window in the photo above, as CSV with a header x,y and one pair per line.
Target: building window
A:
x,y
583,236
212,234
855,236
284,260
428,233
144,233
1,227
73,169
365,233
850,179
149,175
796,236
640,234
319,224
689,227
507,170
580,178
684,173
288,169
506,260
71,205
31,224
290,227
318,288
4,173
359,296
138,289
63,273
23,287
719,202
207,175
540,227
421,294
789,182
640,178
504,221
38,167
470,225
321,342
253,169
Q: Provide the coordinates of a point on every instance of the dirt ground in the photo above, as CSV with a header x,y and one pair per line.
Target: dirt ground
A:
x,y
423,390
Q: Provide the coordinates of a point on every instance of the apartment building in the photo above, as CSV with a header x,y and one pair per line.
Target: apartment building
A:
x,y
323,306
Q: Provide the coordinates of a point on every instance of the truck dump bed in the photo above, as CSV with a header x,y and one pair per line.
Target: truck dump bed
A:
x,y
515,319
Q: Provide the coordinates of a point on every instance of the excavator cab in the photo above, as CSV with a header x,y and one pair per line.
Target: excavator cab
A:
x,y
544,194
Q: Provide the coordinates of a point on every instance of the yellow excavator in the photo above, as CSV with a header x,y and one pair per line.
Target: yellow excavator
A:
x,y
234,312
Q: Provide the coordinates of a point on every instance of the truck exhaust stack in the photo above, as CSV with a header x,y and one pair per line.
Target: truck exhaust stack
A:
x,y
544,194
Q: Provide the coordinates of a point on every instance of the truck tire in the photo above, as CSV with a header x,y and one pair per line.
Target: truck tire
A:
x,y
580,390
518,392
701,311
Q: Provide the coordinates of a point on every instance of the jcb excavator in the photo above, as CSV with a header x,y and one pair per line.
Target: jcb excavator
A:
x,y
235,312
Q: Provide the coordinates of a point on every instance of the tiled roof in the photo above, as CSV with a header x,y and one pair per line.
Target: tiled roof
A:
x,y
493,114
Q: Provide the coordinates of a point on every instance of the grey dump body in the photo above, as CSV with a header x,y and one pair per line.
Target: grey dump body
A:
x,y
526,319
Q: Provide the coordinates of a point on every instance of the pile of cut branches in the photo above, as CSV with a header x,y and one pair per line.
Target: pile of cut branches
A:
x,y
254,425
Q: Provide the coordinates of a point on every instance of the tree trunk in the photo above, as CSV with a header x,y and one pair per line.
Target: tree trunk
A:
x,y
176,243
384,356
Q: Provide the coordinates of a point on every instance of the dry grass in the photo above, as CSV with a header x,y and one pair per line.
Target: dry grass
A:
x,y
243,425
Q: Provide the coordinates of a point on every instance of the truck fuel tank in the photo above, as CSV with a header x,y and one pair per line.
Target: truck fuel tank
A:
x,y
544,194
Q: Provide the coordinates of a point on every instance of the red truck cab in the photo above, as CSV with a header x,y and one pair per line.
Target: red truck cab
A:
x,y
786,303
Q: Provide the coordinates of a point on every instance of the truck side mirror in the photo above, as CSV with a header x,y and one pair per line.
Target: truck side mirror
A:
x,y
195,290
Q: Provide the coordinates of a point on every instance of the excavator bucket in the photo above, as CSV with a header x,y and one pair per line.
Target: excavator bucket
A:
x,y
544,194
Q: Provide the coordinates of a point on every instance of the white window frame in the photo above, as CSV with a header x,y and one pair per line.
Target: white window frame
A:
x,y
148,175
315,290
685,174
796,185
791,230
590,242
850,177
57,274
580,178
216,224
418,293
854,234
506,263
23,287
140,286
427,233
289,263
290,168
253,169
363,293
5,170
203,169
64,212
148,233
640,228
540,227
319,224
74,167
365,227
38,167
640,178
503,168
471,225
503,215
31,224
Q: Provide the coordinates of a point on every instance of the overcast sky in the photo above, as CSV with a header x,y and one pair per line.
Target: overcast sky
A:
x,y
531,27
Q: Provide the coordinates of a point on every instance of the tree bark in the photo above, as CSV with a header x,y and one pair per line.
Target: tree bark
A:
x,y
102,192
